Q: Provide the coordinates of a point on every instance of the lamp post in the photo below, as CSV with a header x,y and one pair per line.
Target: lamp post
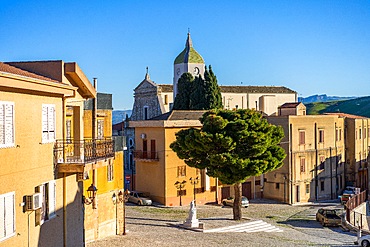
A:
x,y
194,181
180,186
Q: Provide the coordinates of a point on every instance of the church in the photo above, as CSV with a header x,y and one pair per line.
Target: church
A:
x,y
152,100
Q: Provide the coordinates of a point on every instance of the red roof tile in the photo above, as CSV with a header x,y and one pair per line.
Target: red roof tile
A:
x,y
6,68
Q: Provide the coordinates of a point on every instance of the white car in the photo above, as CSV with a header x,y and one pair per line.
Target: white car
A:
x,y
363,241
140,198
230,202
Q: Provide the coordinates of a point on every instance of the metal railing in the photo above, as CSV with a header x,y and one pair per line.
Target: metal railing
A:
x,y
353,203
85,151
146,155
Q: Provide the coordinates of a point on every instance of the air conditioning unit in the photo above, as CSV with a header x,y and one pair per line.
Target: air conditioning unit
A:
x,y
33,202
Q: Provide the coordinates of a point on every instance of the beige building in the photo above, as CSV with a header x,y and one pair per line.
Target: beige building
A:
x,y
40,205
315,165
357,131
158,168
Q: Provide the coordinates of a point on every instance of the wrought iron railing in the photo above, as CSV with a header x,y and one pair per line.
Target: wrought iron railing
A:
x,y
85,151
145,155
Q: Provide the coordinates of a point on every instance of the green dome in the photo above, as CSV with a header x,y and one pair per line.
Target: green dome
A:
x,y
189,54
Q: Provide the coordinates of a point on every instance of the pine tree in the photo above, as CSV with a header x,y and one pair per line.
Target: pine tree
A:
x,y
184,89
232,146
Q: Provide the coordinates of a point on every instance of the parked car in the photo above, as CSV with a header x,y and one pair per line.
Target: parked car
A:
x,y
230,202
363,241
328,217
140,198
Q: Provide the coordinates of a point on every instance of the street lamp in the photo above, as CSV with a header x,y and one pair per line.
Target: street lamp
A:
x,y
91,194
194,181
180,186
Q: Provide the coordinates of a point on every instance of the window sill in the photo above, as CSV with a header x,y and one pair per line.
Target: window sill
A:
x,y
7,237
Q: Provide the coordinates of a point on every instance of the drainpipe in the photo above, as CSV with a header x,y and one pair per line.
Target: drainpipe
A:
x,y
291,163
316,157
64,106
94,136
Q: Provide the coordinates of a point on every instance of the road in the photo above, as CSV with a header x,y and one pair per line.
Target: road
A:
x,y
265,223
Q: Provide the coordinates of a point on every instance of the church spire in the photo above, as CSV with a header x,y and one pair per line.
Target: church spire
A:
x,y
147,77
189,42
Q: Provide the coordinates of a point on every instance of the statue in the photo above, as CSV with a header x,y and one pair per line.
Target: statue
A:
x,y
192,220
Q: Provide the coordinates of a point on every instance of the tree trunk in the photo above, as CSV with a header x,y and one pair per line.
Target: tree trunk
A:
x,y
237,209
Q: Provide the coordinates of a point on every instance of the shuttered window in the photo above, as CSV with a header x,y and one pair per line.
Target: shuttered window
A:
x,y
7,215
47,211
48,123
6,124
100,129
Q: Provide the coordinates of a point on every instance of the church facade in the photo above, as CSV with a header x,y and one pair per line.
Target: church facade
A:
x,y
152,100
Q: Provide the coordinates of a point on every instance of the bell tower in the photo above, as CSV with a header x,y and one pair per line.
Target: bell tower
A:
x,y
189,60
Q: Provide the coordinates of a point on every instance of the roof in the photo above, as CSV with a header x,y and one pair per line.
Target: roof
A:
x,y
344,115
290,105
189,54
166,87
6,68
255,89
240,89
180,115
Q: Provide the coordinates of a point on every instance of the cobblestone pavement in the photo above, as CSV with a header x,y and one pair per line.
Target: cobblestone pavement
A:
x,y
158,226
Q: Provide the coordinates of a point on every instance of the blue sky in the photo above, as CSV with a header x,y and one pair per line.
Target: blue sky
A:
x,y
312,47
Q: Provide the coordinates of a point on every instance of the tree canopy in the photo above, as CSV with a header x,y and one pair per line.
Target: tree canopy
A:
x,y
198,93
232,146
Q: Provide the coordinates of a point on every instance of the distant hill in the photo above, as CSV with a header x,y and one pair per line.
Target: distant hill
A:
x,y
357,106
321,98
120,115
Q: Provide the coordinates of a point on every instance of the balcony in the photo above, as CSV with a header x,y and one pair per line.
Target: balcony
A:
x,y
73,156
146,156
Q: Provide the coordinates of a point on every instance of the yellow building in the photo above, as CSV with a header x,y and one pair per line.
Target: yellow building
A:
x,y
105,216
40,203
158,168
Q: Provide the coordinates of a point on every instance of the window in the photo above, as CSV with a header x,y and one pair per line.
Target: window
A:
x,y
100,128
360,133
7,215
322,185
68,131
181,171
338,134
303,164
48,123
110,172
146,112
47,210
6,124
321,136
307,188
302,137
257,182
322,163
277,186
166,99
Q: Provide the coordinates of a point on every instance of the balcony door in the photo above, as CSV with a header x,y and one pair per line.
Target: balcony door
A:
x,y
152,149
145,149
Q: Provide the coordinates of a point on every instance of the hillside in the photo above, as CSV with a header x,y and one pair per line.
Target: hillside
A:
x,y
322,98
120,115
358,106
